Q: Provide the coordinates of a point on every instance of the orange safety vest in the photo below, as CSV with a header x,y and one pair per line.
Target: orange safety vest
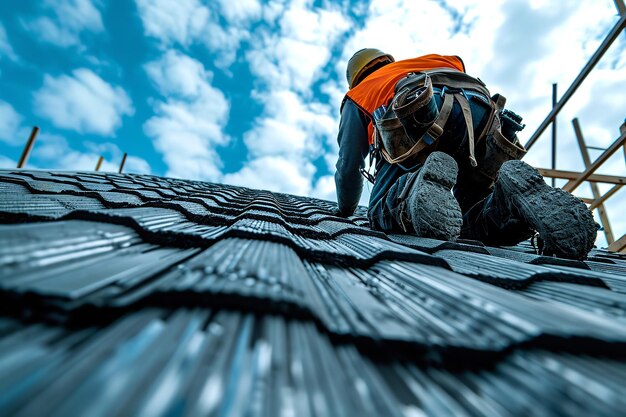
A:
x,y
377,88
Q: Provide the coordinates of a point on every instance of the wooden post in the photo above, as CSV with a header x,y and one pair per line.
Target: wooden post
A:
x,y
597,196
605,197
123,162
99,163
621,8
619,245
554,93
28,147
596,164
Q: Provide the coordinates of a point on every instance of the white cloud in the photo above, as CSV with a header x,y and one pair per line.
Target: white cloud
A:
x,y
325,188
290,126
293,57
188,123
5,47
83,102
188,22
54,152
7,163
173,21
286,139
70,18
294,128
224,42
435,32
281,152
275,173
10,122
178,74
240,10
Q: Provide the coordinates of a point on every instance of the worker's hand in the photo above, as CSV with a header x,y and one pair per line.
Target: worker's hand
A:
x,y
338,213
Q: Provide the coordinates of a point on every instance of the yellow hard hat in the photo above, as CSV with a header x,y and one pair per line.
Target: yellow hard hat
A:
x,y
363,60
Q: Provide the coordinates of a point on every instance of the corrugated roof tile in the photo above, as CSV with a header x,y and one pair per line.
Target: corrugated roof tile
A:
x,y
166,296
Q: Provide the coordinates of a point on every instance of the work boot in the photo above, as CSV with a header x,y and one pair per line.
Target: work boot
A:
x,y
429,205
563,222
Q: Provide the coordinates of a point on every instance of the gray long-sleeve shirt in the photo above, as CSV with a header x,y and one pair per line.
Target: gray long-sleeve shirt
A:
x,y
353,149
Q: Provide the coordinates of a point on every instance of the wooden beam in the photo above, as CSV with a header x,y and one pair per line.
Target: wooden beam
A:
x,y
572,176
596,164
587,200
619,245
123,162
597,196
99,164
599,201
621,8
28,147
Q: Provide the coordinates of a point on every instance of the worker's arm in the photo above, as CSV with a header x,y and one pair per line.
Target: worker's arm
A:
x,y
353,149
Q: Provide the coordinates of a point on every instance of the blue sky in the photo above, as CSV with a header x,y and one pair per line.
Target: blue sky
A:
x,y
247,92
145,61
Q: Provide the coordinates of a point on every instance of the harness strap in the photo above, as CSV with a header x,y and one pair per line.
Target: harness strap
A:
x,y
467,115
436,130
418,147
499,101
438,126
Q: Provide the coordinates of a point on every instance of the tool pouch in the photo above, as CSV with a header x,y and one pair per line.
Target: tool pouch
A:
x,y
401,127
498,150
391,135
412,121
416,109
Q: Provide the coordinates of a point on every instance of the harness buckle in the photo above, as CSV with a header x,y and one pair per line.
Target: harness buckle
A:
x,y
371,156
371,178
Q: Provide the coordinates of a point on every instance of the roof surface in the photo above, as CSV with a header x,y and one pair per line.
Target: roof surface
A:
x,y
138,295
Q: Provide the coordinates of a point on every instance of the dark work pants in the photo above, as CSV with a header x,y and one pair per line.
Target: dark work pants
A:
x,y
481,221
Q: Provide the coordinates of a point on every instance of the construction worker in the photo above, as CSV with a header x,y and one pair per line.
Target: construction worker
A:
x,y
433,129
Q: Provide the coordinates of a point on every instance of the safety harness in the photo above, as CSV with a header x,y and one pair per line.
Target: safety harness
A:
x,y
412,122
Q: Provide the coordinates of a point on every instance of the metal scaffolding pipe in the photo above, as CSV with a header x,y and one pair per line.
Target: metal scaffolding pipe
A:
x,y
622,130
595,58
554,100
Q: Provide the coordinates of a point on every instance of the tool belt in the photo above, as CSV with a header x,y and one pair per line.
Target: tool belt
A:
x,y
412,121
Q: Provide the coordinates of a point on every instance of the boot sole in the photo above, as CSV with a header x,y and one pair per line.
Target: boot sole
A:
x,y
434,211
564,222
